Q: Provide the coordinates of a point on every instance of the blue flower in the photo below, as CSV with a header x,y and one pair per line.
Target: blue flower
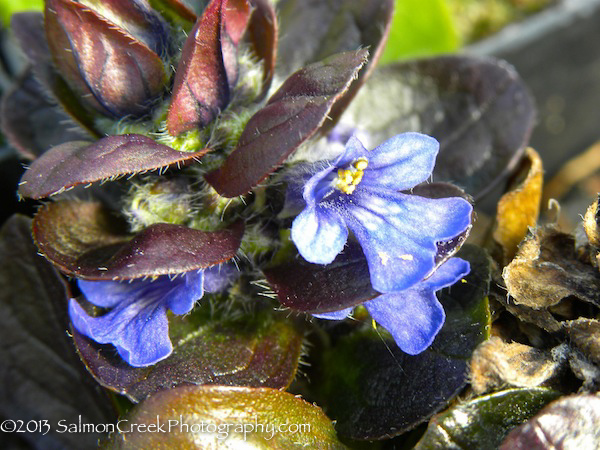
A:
x,y
413,316
137,324
398,232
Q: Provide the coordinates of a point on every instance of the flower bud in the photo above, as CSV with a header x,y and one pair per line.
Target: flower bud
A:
x,y
110,54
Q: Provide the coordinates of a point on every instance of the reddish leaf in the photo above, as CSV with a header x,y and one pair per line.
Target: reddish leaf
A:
x,y
316,29
82,239
117,74
314,288
136,18
249,351
262,34
28,28
292,115
234,20
202,85
79,162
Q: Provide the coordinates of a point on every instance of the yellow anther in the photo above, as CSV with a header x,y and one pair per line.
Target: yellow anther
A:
x,y
348,189
361,163
348,179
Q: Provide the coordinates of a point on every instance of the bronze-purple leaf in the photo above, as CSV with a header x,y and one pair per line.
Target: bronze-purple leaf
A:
x,y
234,20
121,74
262,34
79,162
136,18
201,88
292,115
316,29
567,423
28,28
42,377
31,122
478,109
316,289
259,351
84,240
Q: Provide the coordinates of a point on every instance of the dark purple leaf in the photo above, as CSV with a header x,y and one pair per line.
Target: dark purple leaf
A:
x,y
262,34
569,422
202,85
73,163
374,391
135,18
234,21
230,410
292,115
316,29
42,377
28,28
315,288
116,73
479,110
83,240
483,422
31,122
251,351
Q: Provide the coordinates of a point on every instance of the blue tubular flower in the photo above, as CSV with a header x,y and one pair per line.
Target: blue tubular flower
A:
x,y
137,324
360,191
413,316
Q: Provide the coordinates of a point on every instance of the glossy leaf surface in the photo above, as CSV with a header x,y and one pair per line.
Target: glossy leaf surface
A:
x,y
569,422
121,73
221,406
482,423
252,351
84,240
368,384
208,67
316,29
79,162
478,109
292,115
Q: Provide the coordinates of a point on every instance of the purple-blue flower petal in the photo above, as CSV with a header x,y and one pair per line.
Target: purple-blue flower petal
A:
x,y
415,316
140,332
137,323
319,234
401,162
335,315
354,150
398,233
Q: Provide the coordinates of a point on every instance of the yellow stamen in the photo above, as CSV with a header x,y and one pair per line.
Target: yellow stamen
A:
x,y
348,179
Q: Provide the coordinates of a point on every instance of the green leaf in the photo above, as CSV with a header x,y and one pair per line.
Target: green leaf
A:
x,y
420,28
484,422
9,7
227,417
